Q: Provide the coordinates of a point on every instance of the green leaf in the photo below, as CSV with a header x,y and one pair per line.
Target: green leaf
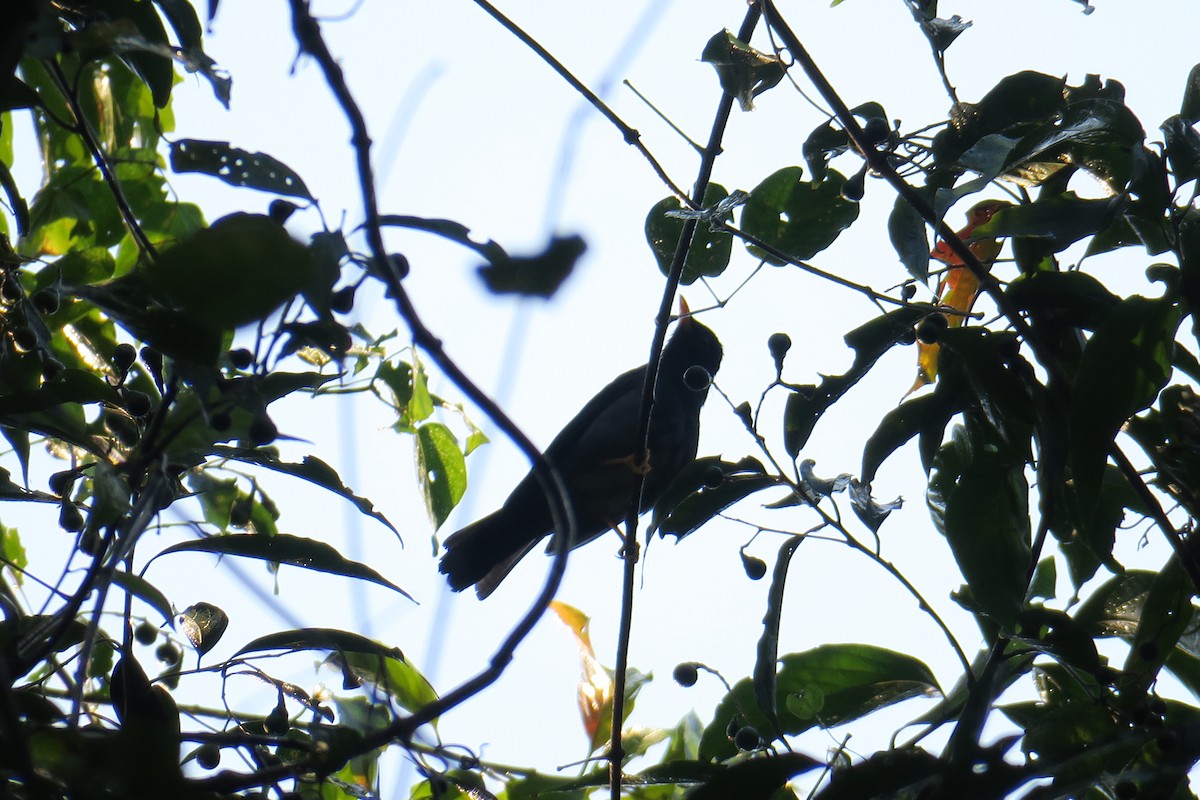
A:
x,y
979,498
284,549
1060,220
204,624
13,553
795,216
744,72
1123,367
538,275
311,469
709,250
855,679
1189,108
1166,614
391,674
233,273
906,228
237,167
1075,298
318,639
897,426
441,469
141,588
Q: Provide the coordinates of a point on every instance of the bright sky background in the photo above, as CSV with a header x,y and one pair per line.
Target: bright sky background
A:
x,y
471,126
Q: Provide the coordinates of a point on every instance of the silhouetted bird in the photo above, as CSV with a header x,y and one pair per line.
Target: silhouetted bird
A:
x,y
598,458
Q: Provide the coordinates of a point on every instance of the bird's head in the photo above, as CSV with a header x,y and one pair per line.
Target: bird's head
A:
x,y
693,352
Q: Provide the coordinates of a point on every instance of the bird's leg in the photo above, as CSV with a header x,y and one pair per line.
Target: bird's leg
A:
x,y
638,466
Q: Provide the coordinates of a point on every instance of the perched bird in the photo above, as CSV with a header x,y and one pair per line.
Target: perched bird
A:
x,y
959,288
599,458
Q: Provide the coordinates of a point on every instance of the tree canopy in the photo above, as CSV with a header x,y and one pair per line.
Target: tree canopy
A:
x,y
145,350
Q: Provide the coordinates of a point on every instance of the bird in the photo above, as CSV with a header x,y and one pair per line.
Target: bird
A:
x,y
599,459
959,288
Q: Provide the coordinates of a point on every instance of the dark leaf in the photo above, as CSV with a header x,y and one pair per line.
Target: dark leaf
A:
x,y
867,509
694,498
743,71
906,228
708,251
1183,149
822,144
538,275
869,341
146,591
768,643
1075,298
1189,108
204,624
897,427
311,469
448,229
979,498
285,549
318,639
1060,220
798,217
1124,366
756,779
237,167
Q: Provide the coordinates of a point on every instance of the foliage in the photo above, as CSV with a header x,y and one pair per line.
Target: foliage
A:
x,y
143,348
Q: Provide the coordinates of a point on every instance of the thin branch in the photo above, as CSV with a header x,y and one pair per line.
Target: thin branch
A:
x,y
89,140
630,550
628,132
308,35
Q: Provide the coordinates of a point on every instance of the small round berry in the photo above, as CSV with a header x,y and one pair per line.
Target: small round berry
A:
x,y
208,756
755,567
686,674
145,632
747,739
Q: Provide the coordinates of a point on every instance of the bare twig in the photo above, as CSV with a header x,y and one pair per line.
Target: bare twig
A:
x,y
630,551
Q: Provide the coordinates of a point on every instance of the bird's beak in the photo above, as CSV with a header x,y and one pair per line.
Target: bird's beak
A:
x,y
684,312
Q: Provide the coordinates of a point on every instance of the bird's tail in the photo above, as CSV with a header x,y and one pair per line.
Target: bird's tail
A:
x,y
483,553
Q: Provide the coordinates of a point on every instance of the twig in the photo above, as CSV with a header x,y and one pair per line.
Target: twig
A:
x,y
630,550
308,35
628,132
89,140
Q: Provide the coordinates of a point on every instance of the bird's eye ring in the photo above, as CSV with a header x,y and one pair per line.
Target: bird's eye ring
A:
x,y
697,378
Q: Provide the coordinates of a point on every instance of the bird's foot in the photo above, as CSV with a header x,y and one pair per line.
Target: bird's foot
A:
x,y
638,466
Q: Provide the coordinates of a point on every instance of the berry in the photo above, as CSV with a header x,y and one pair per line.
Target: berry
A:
x,y
123,357
779,344
137,403
755,567
145,632
70,518
208,756
747,739
686,674
930,329
168,654
342,301
855,186
46,300
876,130
263,431
241,358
